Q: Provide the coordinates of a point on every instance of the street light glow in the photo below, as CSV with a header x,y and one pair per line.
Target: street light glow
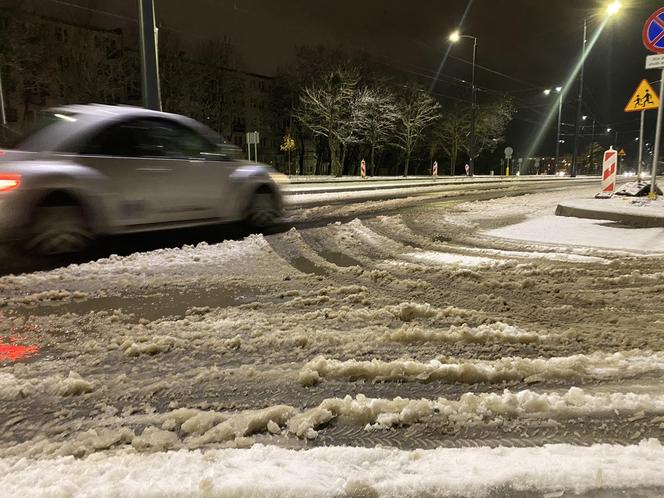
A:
x,y
455,37
584,117
608,130
559,89
547,91
614,8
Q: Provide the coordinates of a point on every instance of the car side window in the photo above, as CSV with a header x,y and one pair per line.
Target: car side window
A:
x,y
120,139
169,139
158,138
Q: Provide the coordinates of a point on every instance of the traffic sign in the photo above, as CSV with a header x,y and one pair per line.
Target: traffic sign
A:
x,y
644,99
653,32
508,152
655,61
622,153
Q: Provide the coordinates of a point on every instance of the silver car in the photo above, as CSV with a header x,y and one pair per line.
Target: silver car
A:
x,y
95,170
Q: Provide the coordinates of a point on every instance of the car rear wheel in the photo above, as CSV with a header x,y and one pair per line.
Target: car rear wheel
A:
x,y
263,211
58,230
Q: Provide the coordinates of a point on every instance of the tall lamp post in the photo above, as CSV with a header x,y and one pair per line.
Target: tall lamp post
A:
x,y
454,38
612,9
559,91
615,136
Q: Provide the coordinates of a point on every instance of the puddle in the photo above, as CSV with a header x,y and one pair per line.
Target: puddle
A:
x,y
150,307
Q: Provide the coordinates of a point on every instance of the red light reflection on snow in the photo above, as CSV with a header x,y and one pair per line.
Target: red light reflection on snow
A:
x,y
12,352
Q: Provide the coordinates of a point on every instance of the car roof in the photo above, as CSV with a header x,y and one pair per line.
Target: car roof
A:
x,y
110,111
91,117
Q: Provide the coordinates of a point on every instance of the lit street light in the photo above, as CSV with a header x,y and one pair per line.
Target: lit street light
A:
x,y
613,8
454,38
559,91
611,11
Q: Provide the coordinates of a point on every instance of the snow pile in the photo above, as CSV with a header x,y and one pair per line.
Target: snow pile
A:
x,y
498,331
245,424
598,366
12,387
473,409
50,296
235,257
272,472
441,258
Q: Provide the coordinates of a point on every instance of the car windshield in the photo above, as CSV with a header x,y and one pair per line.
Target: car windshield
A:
x,y
42,135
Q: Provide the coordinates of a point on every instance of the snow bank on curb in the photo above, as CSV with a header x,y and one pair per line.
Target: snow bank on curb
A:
x,y
594,366
268,471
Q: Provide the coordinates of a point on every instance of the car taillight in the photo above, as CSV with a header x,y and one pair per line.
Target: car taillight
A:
x,y
9,181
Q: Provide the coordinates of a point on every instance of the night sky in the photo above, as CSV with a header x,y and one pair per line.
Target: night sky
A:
x,y
533,44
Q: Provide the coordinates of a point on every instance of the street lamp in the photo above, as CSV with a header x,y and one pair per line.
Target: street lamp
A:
x,y
611,10
559,91
591,157
454,38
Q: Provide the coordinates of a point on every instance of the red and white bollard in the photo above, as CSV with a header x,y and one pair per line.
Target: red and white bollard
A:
x,y
434,169
609,172
363,168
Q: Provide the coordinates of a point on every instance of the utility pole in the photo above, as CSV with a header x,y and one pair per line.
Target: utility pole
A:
x,y
3,116
592,148
560,112
149,57
473,112
580,101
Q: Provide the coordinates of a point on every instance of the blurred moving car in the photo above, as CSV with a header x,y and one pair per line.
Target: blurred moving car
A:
x,y
93,170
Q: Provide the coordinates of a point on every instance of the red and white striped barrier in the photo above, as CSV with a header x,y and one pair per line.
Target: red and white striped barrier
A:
x,y
609,172
434,169
363,168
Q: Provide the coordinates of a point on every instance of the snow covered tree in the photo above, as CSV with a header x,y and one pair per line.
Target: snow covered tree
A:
x,y
377,121
332,107
452,133
490,125
417,110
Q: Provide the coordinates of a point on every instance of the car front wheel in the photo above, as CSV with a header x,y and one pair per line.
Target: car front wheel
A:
x,y
263,211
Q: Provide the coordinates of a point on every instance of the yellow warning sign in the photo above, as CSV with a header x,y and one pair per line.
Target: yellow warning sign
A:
x,y
622,153
643,99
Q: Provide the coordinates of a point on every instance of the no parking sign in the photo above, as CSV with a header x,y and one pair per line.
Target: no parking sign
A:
x,y
653,32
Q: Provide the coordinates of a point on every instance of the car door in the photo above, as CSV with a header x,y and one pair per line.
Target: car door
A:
x,y
198,172
138,174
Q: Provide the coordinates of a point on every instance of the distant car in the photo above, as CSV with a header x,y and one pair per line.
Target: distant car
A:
x,y
92,170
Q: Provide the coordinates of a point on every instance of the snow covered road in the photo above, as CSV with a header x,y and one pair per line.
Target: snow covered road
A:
x,y
409,354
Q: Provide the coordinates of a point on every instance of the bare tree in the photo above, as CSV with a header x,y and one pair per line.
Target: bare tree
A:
x,y
332,108
417,111
378,120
